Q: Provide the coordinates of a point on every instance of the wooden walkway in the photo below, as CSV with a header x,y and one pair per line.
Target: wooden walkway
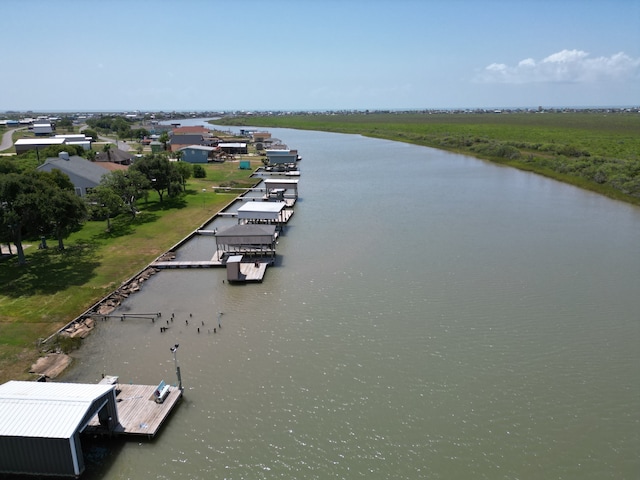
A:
x,y
195,264
138,412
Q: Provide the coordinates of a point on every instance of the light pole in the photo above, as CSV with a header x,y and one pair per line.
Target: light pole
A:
x,y
174,349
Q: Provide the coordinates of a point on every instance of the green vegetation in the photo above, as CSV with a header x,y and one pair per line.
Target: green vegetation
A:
x,y
599,151
55,286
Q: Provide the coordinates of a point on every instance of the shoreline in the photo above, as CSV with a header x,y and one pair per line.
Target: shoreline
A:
x,y
82,325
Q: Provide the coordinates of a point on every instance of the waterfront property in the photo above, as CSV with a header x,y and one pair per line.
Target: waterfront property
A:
x,y
281,157
84,174
40,425
288,186
197,154
269,213
233,148
247,239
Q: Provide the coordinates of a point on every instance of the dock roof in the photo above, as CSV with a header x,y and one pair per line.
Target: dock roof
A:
x,y
261,210
46,409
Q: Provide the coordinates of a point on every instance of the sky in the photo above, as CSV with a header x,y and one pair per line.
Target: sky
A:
x,y
293,55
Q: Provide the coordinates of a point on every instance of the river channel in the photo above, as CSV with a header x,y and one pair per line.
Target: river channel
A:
x,y
430,316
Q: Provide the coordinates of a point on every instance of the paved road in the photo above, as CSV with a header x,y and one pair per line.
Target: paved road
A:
x,y
7,139
122,145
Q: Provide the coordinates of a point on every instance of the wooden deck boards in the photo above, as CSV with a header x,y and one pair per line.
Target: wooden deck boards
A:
x,y
253,272
138,412
188,264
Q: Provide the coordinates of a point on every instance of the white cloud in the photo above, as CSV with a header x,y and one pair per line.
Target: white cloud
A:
x,y
566,66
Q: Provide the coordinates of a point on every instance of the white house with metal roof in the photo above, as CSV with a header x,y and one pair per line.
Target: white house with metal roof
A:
x,y
41,422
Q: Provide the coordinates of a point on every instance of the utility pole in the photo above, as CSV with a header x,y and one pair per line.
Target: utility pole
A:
x,y
174,349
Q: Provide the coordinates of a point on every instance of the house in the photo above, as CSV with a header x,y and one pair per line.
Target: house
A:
x,y
180,141
41,422
84,174
260,137
191,130
115,155
197,154
233,148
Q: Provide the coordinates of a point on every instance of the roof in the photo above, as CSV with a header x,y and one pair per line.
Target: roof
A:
x,y
40,141
270,207
46,409
111,166
261,210
194,139
190,129
199,147
232,145
278,151
248,230
281,181
115,154
76,165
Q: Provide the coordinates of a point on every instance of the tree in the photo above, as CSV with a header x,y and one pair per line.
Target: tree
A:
x,y
129,186
199,171
88,132
161,174
56,178
164,139
65,212
104,201
8,166
22,208
107,149
185,170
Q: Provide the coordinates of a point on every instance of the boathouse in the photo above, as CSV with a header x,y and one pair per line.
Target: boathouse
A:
x,y
233,148
281,157
253,240
268,213
290,186
41,422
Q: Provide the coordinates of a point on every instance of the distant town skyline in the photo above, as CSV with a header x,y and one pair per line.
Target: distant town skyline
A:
x,y
286,55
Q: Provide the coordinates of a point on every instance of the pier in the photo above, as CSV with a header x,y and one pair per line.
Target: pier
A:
x,y
138,412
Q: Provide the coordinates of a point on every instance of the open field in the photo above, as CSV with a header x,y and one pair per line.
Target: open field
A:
x,y
55,287
598,151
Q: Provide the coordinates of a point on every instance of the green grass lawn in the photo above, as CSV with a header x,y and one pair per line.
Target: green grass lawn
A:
x,y
57,286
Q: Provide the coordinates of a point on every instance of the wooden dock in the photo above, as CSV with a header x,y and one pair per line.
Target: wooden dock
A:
x,y
193,264
252,271
138,412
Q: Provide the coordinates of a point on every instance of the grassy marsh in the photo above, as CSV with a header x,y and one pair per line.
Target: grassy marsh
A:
x,y
598,151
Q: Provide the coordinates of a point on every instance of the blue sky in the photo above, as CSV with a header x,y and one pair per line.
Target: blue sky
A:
x,y
317,54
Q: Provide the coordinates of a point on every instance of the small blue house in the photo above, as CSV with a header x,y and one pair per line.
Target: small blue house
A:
x,y
197,154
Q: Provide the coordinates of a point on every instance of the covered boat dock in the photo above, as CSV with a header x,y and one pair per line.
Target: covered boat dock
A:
x,y
266,213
